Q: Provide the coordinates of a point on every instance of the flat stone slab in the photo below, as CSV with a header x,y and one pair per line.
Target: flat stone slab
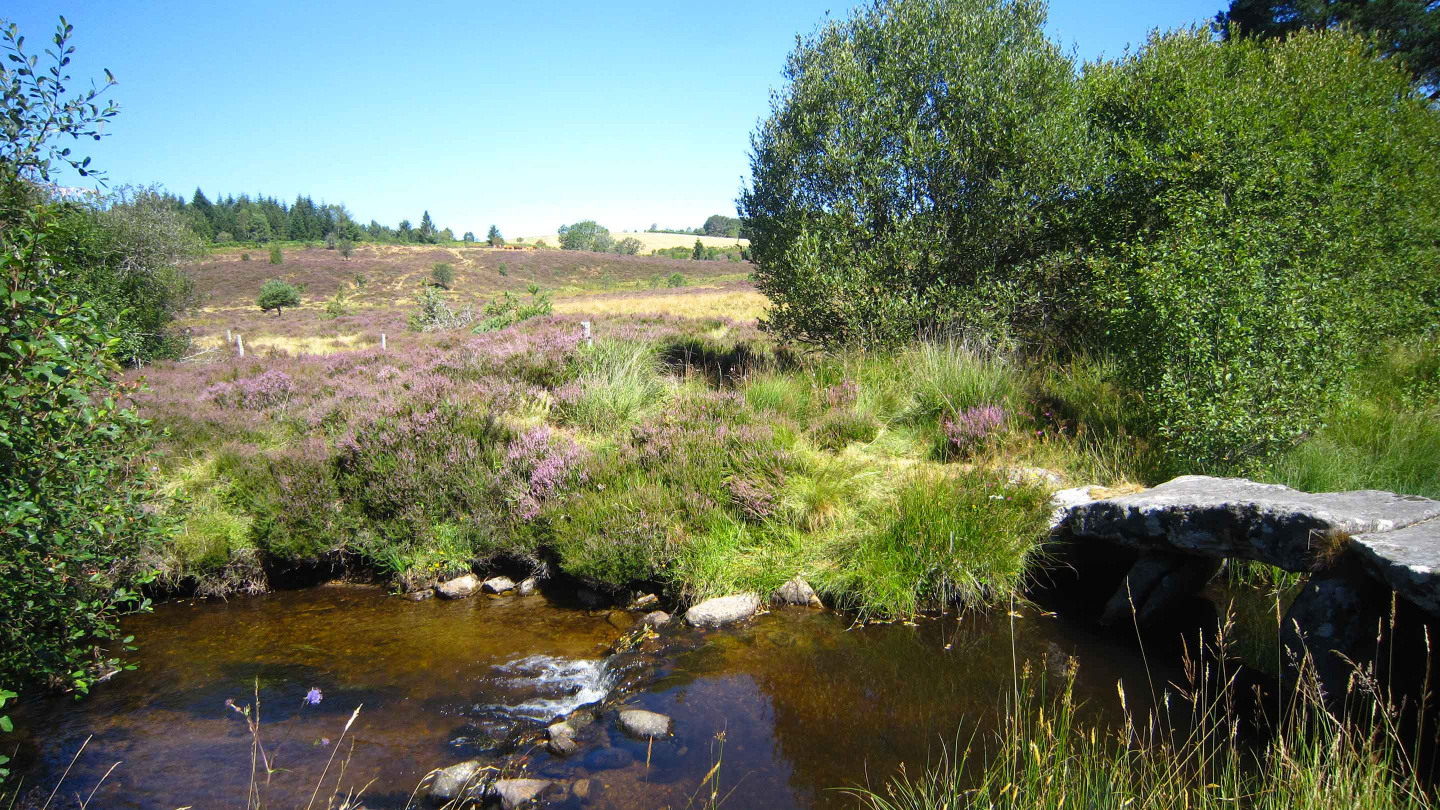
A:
x,y
1233,517
643,724
1406,559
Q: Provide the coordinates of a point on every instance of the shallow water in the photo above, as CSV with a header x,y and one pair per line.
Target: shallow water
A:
x,y
793,705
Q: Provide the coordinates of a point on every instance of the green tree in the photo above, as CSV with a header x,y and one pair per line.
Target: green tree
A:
x,y
469,237
494,237
427,231
919,155
1406,30
76,505
443,274
1271,211
698,254
277,295
583,235
629,246
276,255
346,247
720,225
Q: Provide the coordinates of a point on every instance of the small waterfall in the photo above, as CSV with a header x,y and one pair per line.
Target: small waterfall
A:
x,y
559,685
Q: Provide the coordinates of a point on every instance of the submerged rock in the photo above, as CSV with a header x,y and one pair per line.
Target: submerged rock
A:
x,y
656,618
581,789
515,792
723,610
498,585
643,601
608,759
620,620
562,739
643,724
449,783
420,595
459,587
527,586
797,592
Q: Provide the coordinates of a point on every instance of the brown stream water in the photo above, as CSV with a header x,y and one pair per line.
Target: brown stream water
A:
x,y
806,703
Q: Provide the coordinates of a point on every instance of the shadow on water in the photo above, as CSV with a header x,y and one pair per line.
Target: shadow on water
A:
x,y
804,702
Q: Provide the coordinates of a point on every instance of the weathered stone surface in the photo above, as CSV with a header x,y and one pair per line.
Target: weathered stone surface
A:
x,y
420,595
1336,617
1232,517
656,618
643,601
1065,500
1408,559
797,592
498,585
516,792
723,610
449,783
459,587
527,586
620,620
643,724
562,746
581,789
608,759
1034,476
1156,584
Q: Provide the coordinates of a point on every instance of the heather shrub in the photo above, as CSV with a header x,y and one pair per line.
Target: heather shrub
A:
x,y
538,467
269,389
974,430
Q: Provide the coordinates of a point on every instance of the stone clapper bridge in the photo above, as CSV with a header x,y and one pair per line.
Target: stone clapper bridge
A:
x,y
1358,548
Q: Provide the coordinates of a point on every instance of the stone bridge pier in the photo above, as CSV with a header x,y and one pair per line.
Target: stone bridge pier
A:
x,y
1363,551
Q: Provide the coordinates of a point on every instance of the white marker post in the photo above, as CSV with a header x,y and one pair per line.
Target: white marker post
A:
x,y
229,338
240,344
382,341
585,327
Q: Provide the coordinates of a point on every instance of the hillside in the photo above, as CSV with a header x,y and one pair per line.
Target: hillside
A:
x,y
650,241
381,283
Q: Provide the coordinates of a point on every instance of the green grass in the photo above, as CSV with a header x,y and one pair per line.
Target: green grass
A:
x,y
617,383
1044,756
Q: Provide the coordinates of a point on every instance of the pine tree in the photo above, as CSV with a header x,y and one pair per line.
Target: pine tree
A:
x,y
494,237
427,229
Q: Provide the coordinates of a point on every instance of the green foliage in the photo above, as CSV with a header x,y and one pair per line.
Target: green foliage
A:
x,y
434,313
585,235
698,254
506,309
615,384
276,256
340,304
964,540
675,280
244,257
494,238
918,155
629,246
346,246
504,271
1407,31
443,274
74,497
277,295
721,225
1296,230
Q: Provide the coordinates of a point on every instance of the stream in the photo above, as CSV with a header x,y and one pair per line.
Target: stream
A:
x,y
793,705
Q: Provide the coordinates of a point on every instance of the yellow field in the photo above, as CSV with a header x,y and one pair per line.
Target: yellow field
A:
x,y
741,305
652,241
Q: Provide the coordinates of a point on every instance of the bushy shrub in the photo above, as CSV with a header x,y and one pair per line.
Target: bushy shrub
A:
x,y
244,257
629,246
443,274
506,309
277,295
675,280
1272,212
434,314
276,256
340,304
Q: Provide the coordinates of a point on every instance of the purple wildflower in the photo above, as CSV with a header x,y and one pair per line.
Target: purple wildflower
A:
x,y
974,428
313,697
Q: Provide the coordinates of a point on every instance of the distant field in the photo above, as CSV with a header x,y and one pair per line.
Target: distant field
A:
x,y
653,241
597,285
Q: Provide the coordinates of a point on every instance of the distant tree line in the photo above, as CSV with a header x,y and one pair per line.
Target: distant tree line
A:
x,y
716,225
268,219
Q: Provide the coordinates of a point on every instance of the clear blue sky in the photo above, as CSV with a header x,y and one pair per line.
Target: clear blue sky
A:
x,y
524,115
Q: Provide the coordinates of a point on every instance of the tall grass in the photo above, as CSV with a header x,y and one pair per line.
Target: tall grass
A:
x,y
1189,754
618,382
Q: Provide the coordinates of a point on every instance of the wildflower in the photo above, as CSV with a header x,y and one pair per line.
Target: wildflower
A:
x,y
313,697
